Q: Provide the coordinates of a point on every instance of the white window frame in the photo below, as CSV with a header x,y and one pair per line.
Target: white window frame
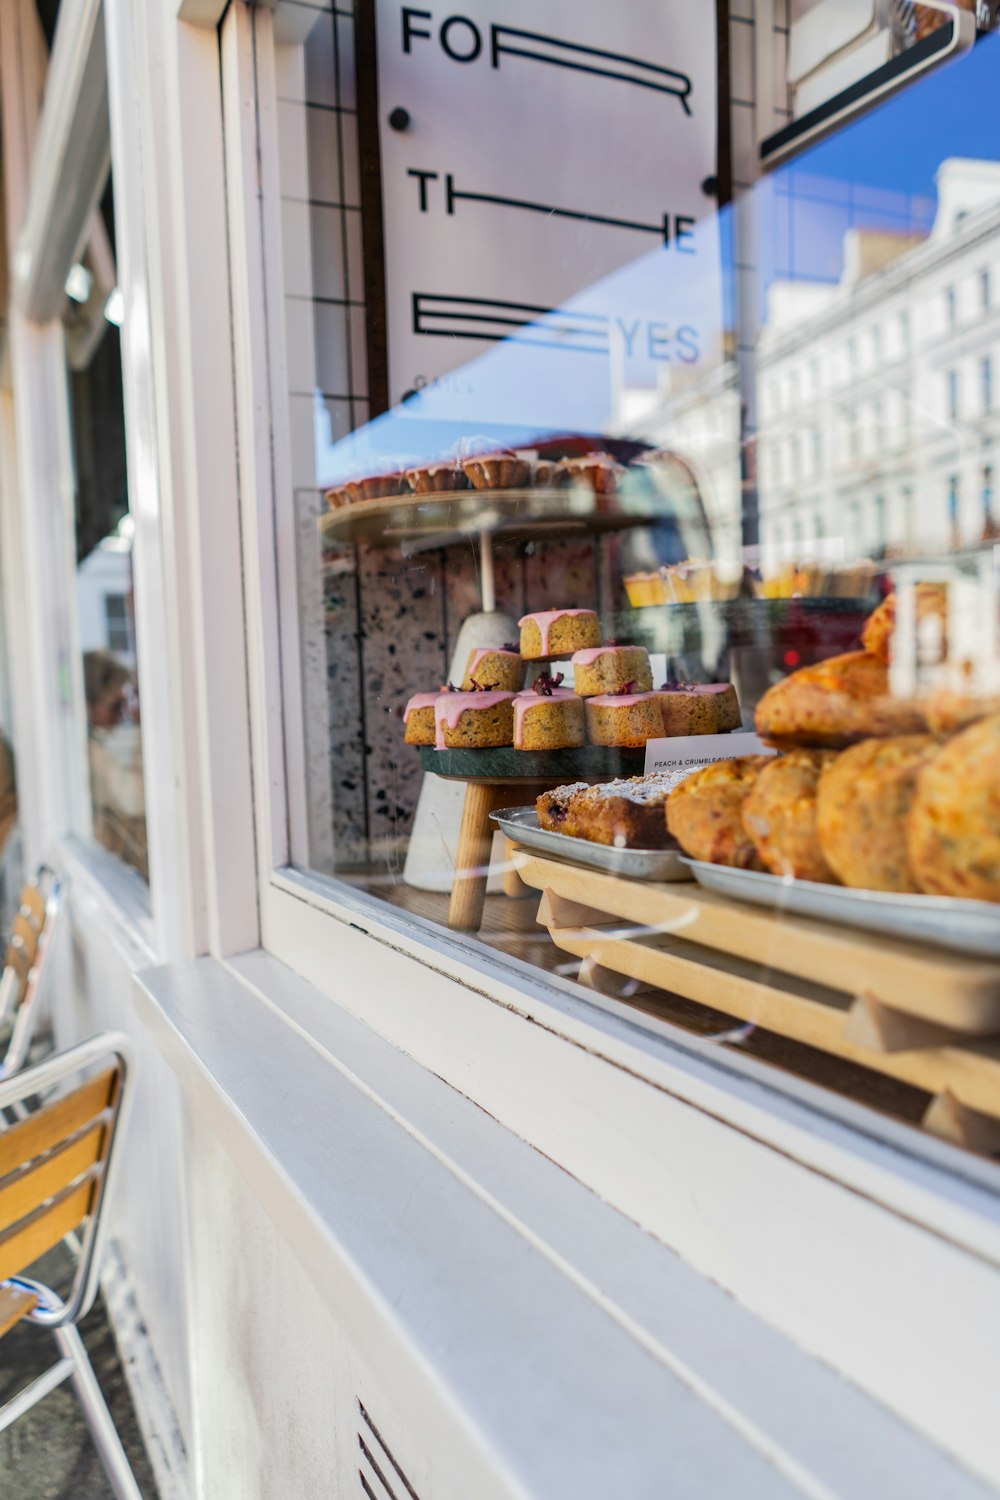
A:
x,y
764,1185
166,143
595,1087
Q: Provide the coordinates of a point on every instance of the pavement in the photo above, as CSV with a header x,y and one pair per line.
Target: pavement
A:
x,y
48,1454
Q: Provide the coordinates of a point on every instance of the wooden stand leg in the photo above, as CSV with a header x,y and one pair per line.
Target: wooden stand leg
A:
x,y
503,796
885,1029
513,885
948,1118
607,982
559,911
475,839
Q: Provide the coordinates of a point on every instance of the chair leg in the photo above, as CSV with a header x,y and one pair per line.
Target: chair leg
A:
x,y
102,1428
35,1392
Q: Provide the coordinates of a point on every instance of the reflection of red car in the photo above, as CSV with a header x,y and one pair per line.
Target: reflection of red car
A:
x,y
810,630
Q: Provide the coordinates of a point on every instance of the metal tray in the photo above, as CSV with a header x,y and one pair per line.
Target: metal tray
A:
x,y
521,825
970,927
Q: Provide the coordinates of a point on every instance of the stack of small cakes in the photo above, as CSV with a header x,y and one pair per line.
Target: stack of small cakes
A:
x,y
614,682
699,708
617,683
478,715
611,702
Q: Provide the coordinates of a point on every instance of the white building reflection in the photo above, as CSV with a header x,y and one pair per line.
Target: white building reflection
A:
x,y
878,403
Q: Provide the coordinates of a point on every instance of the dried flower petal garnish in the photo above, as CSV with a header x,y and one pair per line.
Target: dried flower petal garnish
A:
x,y
673,685
514,647
545,683
626,691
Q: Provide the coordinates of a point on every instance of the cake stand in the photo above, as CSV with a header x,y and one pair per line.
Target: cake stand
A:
x,y
436,855
493,779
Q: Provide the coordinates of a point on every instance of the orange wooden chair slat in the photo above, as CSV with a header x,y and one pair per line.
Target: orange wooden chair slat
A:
x,y
29,1238
50,1126
56,1167
15,1304
26,930
41,1162
34,1184
33,900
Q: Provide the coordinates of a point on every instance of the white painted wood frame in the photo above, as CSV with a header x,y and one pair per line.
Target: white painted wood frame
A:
x,y
166,120
766,1184
831,1226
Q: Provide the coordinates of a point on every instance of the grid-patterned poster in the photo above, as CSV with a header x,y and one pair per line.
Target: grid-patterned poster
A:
x,y
549,239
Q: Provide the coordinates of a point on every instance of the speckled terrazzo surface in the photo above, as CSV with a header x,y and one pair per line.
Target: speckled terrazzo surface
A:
x,y
48,1454
391,623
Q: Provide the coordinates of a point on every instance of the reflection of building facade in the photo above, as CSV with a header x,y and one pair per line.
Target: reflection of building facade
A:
x,y
879,414
699,420
104,592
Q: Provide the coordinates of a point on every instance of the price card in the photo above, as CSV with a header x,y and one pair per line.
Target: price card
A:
x,y
688,752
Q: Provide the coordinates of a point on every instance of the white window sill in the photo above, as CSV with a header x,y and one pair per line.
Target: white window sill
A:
x,y
547,1342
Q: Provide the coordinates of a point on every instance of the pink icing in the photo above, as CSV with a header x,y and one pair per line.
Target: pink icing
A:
x,y
482,651
546,618
449,708
588,657
700,687
610,700
420,700
524,701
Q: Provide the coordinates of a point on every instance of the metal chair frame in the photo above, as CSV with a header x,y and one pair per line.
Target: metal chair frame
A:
x,y
52,1312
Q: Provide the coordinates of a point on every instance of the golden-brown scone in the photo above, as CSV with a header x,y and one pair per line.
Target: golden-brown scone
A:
x,y
704,813
949,712
932,599
862,807
779,815
954,826
835,703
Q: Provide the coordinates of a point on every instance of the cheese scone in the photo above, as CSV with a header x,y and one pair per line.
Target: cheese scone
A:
x,y
834,703
862,807
705,813
954,826
779,814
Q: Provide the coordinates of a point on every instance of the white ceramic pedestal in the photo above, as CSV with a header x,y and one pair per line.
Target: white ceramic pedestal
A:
x,y
430,857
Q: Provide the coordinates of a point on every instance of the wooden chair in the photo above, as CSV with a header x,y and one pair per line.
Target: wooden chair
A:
x,y
57,1168
30,946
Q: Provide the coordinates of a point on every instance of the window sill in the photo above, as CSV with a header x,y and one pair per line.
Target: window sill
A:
x,y
524,1322
113,890
762,1182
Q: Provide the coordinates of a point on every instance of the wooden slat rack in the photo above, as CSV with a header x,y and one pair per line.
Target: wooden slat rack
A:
x,y
925,1017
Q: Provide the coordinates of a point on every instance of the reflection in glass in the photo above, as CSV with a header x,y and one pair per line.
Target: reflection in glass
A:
x,y
729,451
104,532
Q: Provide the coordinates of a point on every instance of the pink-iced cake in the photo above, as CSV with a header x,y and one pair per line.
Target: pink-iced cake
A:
x,y
548,717
558,632
418,717
699,707
494,667
473,721
607,669
626,719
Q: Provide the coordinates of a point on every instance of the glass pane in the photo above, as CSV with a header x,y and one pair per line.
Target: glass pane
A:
x,y
104,586
594,479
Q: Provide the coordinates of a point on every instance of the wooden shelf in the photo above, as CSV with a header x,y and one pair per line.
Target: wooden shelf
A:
x,y
928,1019
457,515
749,612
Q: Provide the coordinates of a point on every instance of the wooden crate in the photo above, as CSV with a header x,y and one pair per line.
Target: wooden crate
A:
x,y
923,1016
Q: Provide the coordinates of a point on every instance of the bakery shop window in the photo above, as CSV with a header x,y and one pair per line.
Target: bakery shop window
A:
x,y
644,572
104,587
